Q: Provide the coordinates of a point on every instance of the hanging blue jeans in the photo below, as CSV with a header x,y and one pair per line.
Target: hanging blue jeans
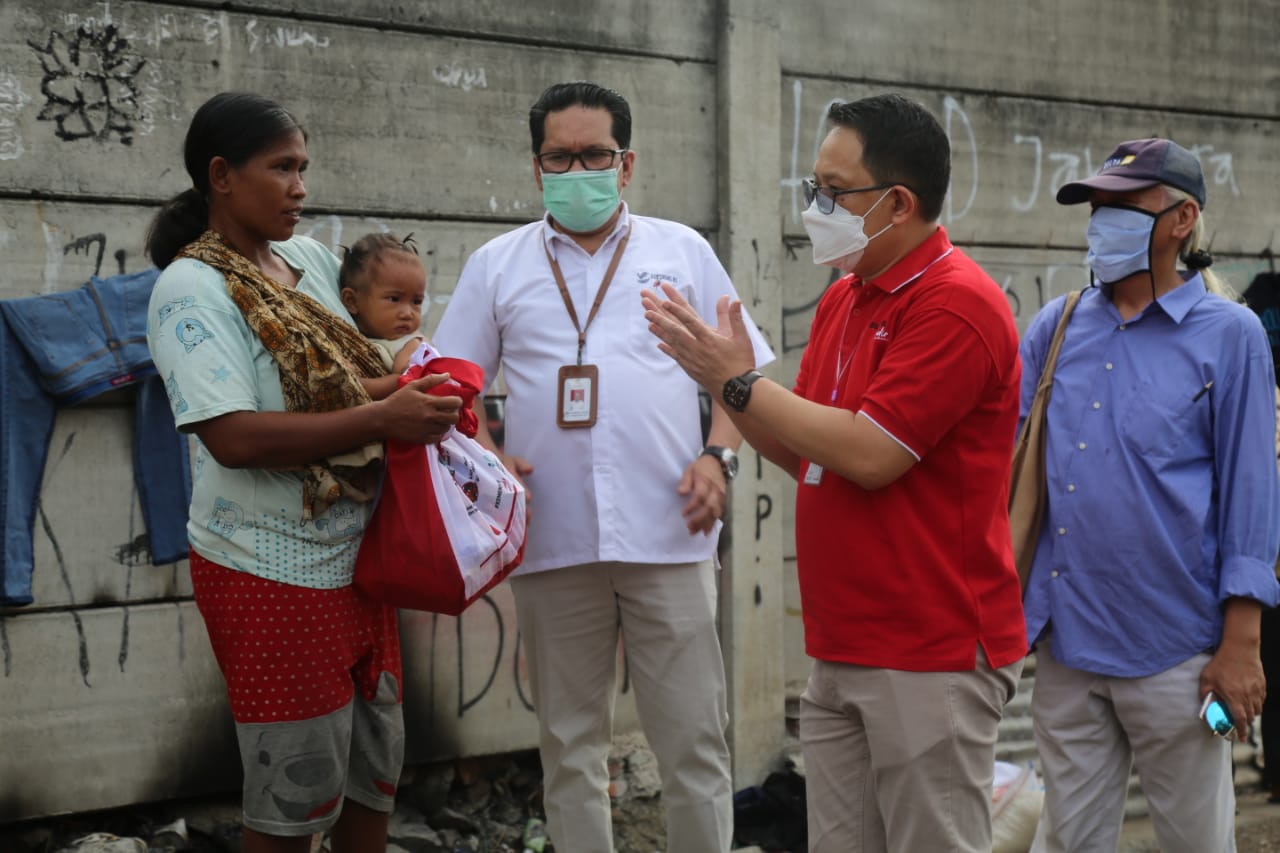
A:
x,y
61,349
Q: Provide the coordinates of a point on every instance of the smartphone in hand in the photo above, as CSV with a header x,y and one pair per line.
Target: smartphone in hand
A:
x,y
1217,716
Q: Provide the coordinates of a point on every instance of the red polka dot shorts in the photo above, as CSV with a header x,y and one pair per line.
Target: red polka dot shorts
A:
x,y
289,652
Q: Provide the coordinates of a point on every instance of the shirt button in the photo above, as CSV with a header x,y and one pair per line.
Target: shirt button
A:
x,y
1054,573
1071,487
1062,531
1109,365
1097,405
1082,445
1122,327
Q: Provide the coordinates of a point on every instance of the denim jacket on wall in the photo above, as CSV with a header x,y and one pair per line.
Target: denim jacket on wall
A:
x,y
63,348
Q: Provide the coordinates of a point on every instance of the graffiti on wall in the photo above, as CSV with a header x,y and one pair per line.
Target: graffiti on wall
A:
x,y
1031,167
458,76
63,249
1045,165
90,84
95,246
12,102
97,85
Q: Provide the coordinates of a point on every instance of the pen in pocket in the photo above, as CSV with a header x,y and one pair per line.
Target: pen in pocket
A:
x,y
1203,391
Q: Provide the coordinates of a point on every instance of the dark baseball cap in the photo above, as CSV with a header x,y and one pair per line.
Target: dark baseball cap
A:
x,y
1138,164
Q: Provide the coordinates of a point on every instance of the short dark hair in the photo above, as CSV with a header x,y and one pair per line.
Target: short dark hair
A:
x,y
902,143
580,93
234,126
366,253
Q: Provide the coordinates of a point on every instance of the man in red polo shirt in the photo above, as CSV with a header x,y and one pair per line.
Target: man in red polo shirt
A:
x,y
899,432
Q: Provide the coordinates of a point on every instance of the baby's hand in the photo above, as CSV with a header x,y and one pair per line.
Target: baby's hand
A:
x,y
401,362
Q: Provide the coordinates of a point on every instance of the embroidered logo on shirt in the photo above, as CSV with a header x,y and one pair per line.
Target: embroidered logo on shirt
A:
x,y
881,330
656,278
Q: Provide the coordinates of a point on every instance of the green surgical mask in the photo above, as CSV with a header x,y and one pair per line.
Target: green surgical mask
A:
x,y
581,201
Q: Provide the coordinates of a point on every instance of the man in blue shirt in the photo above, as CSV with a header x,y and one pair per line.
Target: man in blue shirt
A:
x,y
1157,551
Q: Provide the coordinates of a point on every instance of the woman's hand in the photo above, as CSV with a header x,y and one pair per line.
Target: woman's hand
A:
x,y
413,415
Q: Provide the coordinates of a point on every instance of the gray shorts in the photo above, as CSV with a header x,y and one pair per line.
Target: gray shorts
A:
x,y
297,773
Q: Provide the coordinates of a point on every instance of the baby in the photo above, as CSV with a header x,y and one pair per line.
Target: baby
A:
x,y
383,285
483,506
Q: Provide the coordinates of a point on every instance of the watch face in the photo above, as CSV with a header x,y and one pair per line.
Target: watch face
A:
x,y
736,393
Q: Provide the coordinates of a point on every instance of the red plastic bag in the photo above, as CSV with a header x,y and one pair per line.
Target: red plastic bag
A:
x,y
450,520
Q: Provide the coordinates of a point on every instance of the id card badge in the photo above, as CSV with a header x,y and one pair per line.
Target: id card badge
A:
x,y
576,400
812,474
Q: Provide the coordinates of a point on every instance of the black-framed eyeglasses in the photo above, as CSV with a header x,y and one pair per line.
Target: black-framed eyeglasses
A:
x,y
826,196
592,159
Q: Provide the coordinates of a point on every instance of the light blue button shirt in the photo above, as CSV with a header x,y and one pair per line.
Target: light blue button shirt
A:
x,y
1164,499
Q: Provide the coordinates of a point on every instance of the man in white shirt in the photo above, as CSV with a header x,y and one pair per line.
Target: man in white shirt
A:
x,y
606,431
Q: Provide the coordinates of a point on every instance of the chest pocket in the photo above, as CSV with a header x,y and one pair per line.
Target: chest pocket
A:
x,y
640,340
1156,425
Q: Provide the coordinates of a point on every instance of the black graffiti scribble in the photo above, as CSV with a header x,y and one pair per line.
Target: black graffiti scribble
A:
x,y
526,701
90,84
182,631
789,345
135,552
764,509
463,702
123,657
85,245
7,653
60,559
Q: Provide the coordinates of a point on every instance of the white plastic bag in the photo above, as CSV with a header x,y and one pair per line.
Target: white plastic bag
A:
x,y
1016,799
483,506
450,519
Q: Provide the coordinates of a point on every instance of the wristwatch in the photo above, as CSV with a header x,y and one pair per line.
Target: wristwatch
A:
x,y
727,458
737,391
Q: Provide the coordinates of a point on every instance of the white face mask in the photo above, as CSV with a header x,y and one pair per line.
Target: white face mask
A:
x,y
838,237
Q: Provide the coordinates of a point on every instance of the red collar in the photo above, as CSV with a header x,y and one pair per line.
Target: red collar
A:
x,y
913,264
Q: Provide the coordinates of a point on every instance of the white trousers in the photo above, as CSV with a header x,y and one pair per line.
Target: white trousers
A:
x,y
570,621
1092,729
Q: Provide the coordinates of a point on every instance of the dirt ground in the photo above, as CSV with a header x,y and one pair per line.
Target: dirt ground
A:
x,y
482,807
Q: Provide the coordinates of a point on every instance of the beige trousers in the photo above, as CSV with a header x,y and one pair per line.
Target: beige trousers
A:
x,y
569,622
901,761
1092,729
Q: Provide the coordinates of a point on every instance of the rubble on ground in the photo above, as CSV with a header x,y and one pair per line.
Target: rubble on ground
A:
x,y
471,805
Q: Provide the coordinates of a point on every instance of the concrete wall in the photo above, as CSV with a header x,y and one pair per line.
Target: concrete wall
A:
x,y
108,693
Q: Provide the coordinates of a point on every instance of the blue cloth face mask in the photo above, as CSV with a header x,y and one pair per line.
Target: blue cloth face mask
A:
x,y
1120,241
581,201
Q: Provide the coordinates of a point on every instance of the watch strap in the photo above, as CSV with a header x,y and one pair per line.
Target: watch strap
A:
x,y
726,457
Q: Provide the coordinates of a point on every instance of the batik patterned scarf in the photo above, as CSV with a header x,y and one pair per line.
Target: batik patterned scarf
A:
x,y
320,357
